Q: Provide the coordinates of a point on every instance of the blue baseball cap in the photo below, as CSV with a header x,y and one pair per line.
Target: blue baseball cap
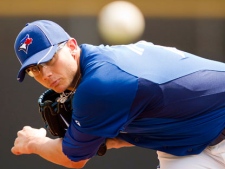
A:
x,y
37,43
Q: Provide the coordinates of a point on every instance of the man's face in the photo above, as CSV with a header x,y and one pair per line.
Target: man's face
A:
x,y
58,74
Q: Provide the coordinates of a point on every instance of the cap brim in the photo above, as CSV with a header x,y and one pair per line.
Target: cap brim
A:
x,y
40,57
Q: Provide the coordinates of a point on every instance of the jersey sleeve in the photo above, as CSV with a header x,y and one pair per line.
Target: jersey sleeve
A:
x,y
80,146
101,108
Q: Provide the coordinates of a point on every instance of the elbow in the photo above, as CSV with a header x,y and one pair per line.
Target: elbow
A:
x,y
77,165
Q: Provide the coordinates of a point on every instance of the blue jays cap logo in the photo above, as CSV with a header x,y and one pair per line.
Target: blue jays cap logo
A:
x,y
24,43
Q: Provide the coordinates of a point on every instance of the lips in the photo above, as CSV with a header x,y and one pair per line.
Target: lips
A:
x,y
54,84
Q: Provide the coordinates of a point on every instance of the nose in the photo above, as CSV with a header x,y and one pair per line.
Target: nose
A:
x,y
45,72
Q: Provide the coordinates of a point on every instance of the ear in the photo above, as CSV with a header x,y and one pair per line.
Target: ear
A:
x,y
72,44
74,49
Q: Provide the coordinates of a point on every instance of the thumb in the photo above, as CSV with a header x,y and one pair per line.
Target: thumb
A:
x,y
13,150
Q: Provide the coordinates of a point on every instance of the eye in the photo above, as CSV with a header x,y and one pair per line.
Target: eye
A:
x,y
34,69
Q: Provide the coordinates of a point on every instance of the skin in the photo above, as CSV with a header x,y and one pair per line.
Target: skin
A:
x,y
52,75
59,74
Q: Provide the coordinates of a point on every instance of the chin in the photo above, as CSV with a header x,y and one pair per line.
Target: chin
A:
x,y
59,90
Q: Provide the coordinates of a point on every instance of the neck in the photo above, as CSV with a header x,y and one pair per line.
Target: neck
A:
x,y
76,81
77,77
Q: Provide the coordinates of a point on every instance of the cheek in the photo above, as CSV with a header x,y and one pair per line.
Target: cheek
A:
x,y
43,83
70,68
69,73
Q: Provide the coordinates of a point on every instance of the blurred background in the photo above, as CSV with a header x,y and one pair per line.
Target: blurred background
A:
x,y
196,26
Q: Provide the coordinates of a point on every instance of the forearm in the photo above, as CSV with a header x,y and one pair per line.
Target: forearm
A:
x,y
117,143
51,150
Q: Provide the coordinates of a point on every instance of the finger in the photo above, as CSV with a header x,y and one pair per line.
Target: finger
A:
x,y
26,128
14,151
43,131
19,133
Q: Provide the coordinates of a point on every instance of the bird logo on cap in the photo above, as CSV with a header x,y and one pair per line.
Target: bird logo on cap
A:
x,y
24,43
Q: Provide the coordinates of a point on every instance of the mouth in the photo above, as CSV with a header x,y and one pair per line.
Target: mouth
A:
x,y
54,84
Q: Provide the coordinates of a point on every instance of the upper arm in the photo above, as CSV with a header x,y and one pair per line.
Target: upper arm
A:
x,y
103,100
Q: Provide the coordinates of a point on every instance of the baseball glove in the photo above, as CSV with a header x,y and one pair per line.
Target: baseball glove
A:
x,y
56,112
56,115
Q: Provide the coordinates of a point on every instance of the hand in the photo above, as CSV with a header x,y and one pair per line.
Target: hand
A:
x,y
24,139
34,141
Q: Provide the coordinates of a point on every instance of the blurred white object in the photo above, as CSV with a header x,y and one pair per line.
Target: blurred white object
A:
x,y
120,22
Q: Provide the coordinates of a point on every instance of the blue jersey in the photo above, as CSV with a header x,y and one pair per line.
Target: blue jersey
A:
x,y
152,96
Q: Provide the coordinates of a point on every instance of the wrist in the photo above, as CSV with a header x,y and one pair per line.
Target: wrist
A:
x,y
36,144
